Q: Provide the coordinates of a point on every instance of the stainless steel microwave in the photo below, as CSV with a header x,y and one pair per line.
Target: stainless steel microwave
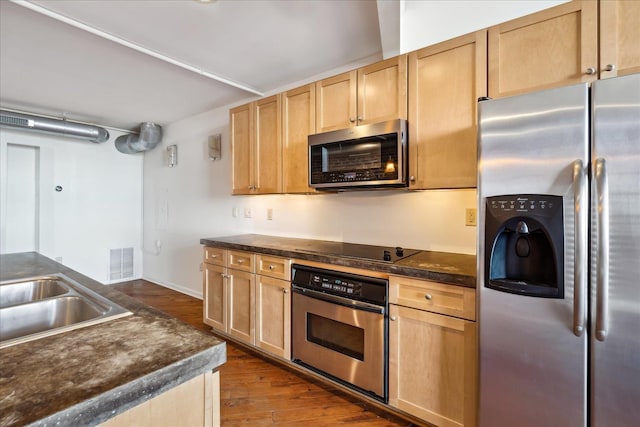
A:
x,y
360,157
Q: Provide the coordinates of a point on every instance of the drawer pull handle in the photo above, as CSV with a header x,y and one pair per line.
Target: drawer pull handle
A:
x,y
240,261
428,297
213,256
271,267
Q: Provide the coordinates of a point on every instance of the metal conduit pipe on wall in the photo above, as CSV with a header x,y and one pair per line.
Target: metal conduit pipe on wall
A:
x,y
31,122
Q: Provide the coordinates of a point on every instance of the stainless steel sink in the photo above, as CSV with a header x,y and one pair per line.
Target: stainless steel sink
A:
x,y
32,290
48,305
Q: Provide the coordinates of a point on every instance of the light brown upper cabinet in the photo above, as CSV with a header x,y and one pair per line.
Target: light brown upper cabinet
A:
x,y
552,48
619,38
241,132
445,81
256,145
298,122
371,94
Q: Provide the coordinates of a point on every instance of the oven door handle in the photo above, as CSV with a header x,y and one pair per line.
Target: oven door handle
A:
x,y
346,302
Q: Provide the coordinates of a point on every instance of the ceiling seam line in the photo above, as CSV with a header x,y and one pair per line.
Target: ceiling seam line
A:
x,y
122,42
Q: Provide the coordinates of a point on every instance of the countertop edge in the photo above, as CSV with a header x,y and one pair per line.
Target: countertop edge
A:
x,y
101,408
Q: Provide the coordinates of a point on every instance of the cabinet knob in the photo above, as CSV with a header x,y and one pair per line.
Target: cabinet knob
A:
x,y
609,67
393,318
271,267
412,178
240,261
352,120
590,71
360,118
213,256
285,290
428,297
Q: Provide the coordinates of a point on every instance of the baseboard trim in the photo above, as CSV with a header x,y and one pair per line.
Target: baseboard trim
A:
x,y
173,286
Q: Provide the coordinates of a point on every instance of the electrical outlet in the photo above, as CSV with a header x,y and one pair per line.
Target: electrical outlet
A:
x,y
248,213
470,216
235,212
269,214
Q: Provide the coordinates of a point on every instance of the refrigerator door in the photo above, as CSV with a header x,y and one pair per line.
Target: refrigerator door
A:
x,y
532,365
615,253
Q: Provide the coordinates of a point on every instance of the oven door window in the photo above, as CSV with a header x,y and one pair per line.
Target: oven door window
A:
x,y
337,336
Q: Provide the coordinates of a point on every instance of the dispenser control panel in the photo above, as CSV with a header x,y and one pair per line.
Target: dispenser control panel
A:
x,y
527,204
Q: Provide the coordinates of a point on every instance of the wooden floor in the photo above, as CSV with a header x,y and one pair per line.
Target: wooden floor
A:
x,y
258,392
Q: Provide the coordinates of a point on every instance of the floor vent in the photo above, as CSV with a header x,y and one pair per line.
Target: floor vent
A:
x,y
121,264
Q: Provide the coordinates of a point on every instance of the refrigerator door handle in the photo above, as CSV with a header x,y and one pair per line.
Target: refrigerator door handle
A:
x,y
602,265
580,239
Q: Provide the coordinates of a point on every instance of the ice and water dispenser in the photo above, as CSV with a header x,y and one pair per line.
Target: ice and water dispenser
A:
x,y
524,245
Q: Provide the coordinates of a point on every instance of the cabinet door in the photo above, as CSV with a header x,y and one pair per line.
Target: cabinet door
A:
x,y
298,122
336,102
215,297
241,305
445,82
273,316
268,145
382,91
432,366
241,129
552,48
619,38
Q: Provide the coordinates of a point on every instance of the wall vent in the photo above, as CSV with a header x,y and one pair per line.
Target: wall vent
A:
x,y
121,264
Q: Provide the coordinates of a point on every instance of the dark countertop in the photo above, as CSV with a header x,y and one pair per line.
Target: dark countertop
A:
x,y
455,269
88,375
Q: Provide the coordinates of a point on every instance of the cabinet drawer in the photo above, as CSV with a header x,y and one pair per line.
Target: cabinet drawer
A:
x,y
214,256
451,300
277,267
239,260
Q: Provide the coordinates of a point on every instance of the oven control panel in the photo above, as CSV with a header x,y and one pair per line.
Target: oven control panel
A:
x,y
338,283
343,286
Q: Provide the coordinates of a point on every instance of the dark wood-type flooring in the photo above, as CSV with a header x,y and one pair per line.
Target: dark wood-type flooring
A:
x,y
256,391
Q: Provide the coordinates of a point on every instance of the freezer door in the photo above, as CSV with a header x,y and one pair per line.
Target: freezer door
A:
x,y
615,253
532,366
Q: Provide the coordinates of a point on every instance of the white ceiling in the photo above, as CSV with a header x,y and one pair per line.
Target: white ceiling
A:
x,y
50,67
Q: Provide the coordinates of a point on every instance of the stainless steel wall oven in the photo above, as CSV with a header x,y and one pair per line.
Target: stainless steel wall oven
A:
x,y
339,327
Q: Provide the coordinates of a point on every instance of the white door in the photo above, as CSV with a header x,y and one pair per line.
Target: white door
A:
x,y
21,209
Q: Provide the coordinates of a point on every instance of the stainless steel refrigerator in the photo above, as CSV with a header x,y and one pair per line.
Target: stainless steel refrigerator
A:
x,y
559,257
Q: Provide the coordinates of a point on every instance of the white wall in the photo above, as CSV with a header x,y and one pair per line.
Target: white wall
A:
x,y
426,22
98,209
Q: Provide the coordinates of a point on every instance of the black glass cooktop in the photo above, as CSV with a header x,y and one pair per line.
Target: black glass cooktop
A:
x,y
354,250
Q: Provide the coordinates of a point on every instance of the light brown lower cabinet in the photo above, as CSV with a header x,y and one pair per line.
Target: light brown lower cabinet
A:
x,y
240,305
273,316
432,366
195,403
215,297
247,297
229,301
